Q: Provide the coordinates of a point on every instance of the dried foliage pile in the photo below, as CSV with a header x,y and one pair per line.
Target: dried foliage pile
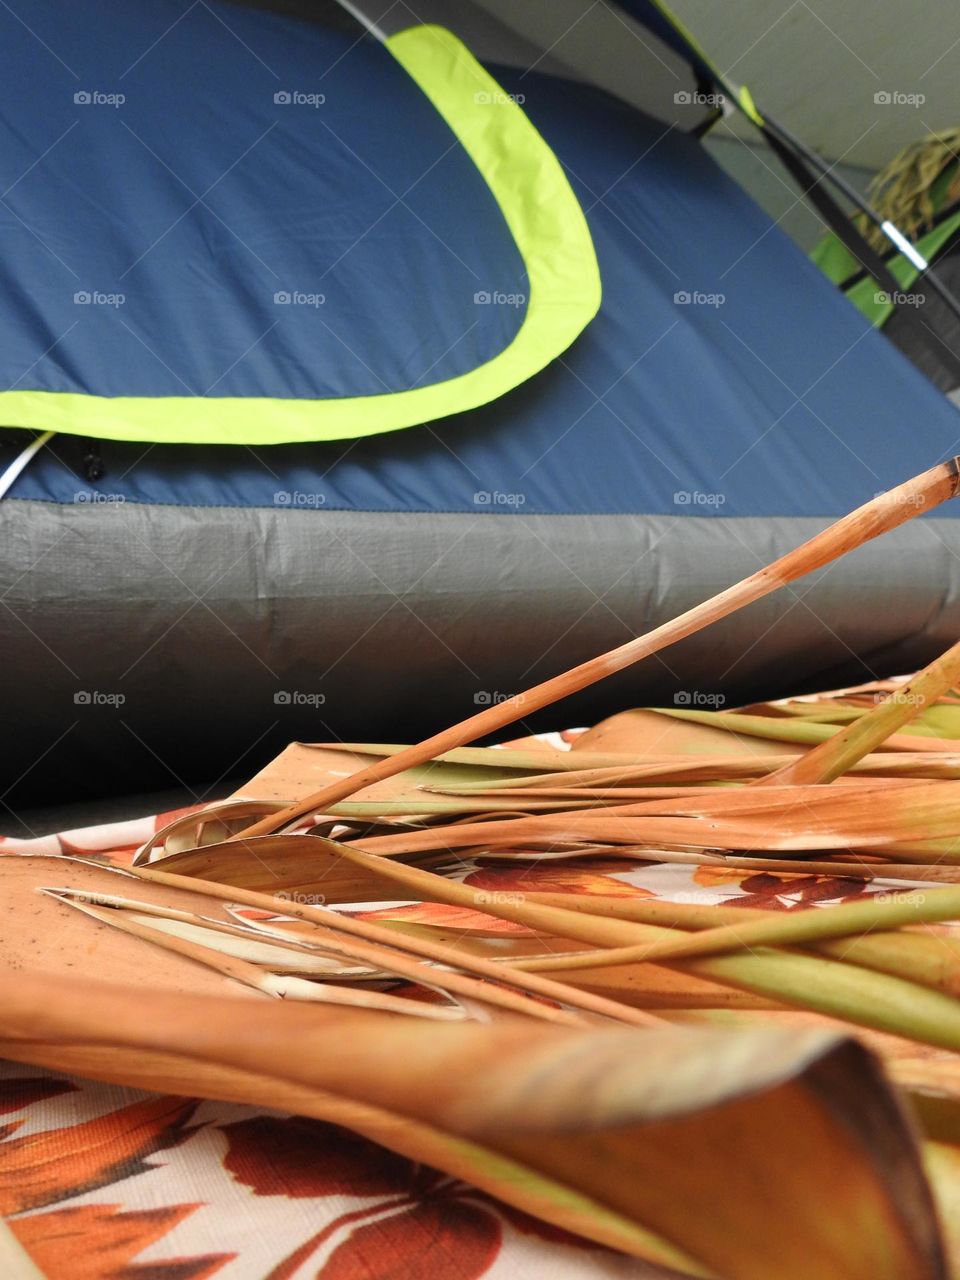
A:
x,y
604,1060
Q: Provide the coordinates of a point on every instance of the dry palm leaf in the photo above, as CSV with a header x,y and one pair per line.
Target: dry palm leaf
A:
x,y
619,1129
872,729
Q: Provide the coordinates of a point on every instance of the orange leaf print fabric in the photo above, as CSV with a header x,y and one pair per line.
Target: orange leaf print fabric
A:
x,y
50,1166
419,1222
593,875
782,891
22,1091
99,1242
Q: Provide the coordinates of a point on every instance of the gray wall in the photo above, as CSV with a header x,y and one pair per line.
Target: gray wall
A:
x,y
754,166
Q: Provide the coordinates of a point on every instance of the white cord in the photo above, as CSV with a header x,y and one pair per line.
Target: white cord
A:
x,y
21,460
909,251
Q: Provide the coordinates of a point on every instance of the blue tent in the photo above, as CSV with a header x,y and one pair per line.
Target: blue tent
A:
x,y
189,606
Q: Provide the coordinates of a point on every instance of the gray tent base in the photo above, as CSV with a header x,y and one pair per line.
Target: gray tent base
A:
x,y
148,646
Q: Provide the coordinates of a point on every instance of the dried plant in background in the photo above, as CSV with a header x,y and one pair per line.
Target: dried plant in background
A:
x,y
902,192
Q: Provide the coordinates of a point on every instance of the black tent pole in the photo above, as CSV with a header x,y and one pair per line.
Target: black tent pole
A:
x,y
893,233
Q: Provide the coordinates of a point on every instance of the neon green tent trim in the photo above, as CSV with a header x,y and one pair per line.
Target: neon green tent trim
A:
x,y
550,232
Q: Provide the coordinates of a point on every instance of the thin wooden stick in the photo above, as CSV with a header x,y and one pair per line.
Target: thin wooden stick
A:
x,y
881,514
